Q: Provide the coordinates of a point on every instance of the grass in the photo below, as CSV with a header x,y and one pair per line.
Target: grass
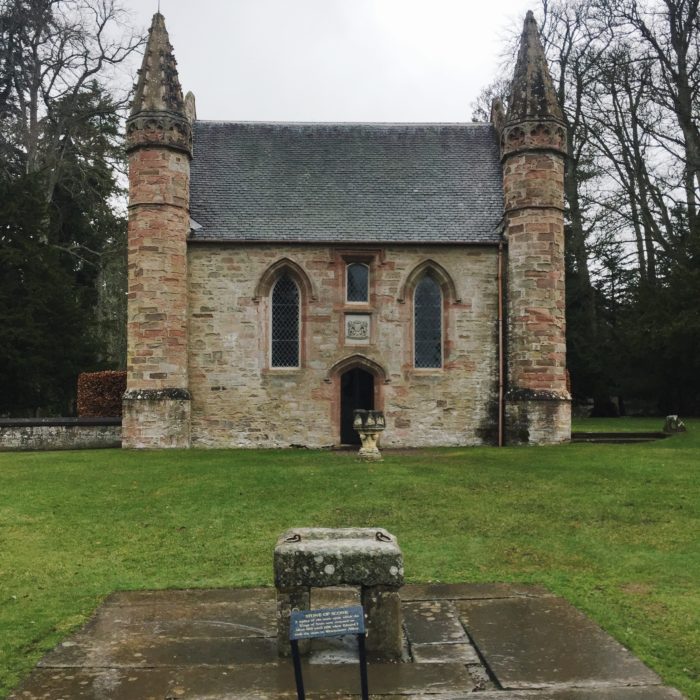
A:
x,y
618,425
613,528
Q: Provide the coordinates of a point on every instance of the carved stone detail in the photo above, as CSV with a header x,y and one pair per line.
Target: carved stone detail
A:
x,y
369,425
357,329
159,129
533,136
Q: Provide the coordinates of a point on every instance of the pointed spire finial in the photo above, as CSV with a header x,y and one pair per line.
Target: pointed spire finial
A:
x,y
158,112
158,87
532,92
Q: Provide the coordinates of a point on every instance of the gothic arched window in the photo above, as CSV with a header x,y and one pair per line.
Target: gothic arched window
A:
x,y
357,282
285,323
427,323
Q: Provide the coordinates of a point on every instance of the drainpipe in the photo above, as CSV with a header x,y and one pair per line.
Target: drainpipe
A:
x,y
501,358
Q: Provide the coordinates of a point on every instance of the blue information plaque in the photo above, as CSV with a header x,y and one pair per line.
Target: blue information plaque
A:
x,y
329,622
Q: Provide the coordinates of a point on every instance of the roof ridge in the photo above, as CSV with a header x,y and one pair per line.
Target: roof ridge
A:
x,y
331,124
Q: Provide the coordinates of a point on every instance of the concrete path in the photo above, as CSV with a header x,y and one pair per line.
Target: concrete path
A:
x,y
486,642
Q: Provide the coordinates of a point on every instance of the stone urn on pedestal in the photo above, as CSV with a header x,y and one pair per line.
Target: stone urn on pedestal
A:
x,y
369,425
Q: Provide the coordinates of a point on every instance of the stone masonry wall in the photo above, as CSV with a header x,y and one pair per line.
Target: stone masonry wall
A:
x,y
157,301
156,423
59,434
538,408
238,400
537,337
533,186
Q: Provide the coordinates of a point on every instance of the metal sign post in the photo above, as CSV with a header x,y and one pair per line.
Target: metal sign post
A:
x,y
329,622
298,678
363,665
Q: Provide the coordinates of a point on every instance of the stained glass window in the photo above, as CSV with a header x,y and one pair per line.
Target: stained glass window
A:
x,y
427,323
285,323
357,282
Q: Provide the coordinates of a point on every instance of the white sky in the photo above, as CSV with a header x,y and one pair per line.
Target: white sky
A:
x,y
336,60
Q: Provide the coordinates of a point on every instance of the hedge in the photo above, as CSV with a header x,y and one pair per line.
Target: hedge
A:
x,y
100,394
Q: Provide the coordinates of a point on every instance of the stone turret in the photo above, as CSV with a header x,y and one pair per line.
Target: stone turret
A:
x,y
159,145
533,149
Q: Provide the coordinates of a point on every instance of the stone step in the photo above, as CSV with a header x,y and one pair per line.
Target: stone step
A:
x,y
617,438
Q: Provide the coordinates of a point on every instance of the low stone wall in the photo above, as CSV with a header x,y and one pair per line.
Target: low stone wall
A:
x,y
59,433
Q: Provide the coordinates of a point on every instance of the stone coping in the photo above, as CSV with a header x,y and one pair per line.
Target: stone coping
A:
x,y
52,422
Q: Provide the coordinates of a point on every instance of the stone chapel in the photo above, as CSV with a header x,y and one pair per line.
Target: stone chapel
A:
x,y
282,275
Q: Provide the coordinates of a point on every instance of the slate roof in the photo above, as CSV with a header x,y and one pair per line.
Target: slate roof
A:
x,y
346,183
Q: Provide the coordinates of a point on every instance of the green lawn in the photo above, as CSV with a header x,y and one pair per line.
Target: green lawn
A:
x,y
618,425
613,528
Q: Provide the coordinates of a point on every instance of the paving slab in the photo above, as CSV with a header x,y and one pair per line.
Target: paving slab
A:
x,y
148,652
216,645
656,693
439,653
185,619
546,642
618,693
242,682
470,591
433,622
191,595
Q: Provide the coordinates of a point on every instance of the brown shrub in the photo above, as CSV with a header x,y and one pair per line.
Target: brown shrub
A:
x,y
100,394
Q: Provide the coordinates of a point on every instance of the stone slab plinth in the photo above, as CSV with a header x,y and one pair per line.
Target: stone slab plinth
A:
x,y
222,644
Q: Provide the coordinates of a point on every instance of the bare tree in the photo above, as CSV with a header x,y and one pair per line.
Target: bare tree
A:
x,y
499,89
54,51
574,37
668,32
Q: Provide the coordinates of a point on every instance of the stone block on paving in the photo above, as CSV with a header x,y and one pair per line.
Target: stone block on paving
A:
x,y
319,557
370,558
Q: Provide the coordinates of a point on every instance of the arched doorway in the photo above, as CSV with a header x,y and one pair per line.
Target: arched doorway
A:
x,y
356,391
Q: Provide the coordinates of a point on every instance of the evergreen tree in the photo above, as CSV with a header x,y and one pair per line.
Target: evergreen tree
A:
x,y
62,236
42,344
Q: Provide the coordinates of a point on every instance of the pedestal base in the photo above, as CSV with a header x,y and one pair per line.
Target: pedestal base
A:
x,y
537,418
369,455
156,418
368,558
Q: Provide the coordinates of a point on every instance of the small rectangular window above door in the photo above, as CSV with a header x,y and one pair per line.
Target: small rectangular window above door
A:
x,y
357,283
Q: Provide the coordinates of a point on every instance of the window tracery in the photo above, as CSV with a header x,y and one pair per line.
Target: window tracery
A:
x,y
284,346
357,283
427,323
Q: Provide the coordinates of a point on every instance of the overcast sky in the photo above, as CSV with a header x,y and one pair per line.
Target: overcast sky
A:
x,y
336,60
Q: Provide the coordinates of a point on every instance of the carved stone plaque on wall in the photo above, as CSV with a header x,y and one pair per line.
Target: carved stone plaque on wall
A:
x,y
357,329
